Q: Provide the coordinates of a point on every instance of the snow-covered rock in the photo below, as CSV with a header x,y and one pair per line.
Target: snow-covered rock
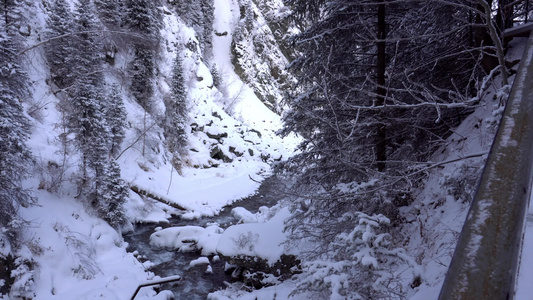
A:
x,y
187,238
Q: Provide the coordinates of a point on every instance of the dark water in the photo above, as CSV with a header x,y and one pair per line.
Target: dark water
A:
x,y
195,282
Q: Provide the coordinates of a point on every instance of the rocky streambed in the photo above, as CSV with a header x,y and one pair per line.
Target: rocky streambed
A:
x,y
203,274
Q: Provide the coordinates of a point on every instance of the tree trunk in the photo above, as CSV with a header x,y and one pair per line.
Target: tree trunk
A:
x,y
381,146
146,193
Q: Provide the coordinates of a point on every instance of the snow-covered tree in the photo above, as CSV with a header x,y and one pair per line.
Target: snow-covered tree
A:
x,y
216,76
112,191
116,118
208,12
390,98
110,12
362,264
86,110
176,113
143,18
142,73
15,156
59,51
16,276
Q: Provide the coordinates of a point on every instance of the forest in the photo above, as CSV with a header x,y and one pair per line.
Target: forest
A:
x,y
375,118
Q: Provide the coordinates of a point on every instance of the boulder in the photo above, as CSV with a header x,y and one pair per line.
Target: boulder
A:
x,y
217,153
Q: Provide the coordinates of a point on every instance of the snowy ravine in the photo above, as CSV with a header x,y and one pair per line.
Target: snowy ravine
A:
x,y
232,144
79,256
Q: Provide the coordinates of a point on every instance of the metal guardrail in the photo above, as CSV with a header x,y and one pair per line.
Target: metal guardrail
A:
x,y
155,282
485,262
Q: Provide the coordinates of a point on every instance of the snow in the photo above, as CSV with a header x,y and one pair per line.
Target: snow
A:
x,y
187,238
81,256
437,218
263,240
244,216
199,261
260,237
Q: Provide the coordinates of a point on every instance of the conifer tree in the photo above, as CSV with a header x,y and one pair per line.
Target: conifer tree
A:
x,y
85,114
113,191
15,156
176,113
110,12
59,52
208,13
142,17
142,72
378,81
116,119
216,76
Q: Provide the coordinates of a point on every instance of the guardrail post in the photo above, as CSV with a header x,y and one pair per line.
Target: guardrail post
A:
x,y
485,261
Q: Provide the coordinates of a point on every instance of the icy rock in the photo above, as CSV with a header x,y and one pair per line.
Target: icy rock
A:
x,y
199,261
285,267
217,153
217,136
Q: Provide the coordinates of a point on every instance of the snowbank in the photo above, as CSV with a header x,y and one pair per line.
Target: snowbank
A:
x,y
187,238
263,240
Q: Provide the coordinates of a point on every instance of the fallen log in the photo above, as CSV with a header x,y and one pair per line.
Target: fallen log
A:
x,y
143,192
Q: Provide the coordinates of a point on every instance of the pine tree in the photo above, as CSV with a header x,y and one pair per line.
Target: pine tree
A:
x,y
208,12
116,119
143,18
176,113
86,115
113,191
15,157
142,72
216,76
110,12
59,52
355,107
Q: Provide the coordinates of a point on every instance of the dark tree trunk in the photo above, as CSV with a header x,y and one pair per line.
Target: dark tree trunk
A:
x,y
504,17
381,146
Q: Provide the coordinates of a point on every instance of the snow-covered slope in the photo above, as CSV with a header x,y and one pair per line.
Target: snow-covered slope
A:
x,y
435,219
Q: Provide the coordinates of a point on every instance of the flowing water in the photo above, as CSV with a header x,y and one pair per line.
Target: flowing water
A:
x,y
196,283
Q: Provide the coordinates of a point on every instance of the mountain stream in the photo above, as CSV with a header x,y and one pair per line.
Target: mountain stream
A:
x,y
195,282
